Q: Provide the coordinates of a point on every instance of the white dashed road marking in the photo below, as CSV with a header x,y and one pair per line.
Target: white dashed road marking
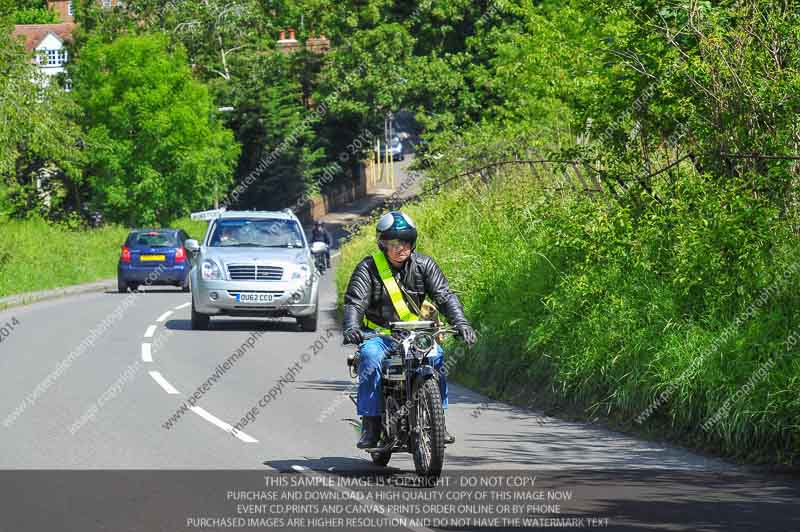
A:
x,y
221,424
163,383
147,356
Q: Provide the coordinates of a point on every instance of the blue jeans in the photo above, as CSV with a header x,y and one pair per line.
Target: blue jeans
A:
x,y
371,355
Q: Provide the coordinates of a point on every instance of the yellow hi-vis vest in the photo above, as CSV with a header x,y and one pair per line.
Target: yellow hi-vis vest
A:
x,y
403,312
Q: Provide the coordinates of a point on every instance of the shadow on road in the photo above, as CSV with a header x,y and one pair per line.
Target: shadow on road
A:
x,y
339,465
223,324
324,385
176,290
331,314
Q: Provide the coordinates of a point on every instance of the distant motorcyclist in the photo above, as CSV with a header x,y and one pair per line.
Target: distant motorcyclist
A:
x,y
396,270
319,234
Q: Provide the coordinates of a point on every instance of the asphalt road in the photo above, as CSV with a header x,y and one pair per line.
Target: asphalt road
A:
x,y
90,382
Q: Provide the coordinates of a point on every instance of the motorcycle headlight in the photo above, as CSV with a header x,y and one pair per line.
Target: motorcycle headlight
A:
x,y
423,343
211,271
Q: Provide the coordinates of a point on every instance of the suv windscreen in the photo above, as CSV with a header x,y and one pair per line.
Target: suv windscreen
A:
x,y
152,239
262,233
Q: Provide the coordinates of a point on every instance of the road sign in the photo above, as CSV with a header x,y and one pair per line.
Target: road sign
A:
x,y
207,215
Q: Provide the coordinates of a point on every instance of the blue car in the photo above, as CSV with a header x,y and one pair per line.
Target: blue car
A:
x,y
154,255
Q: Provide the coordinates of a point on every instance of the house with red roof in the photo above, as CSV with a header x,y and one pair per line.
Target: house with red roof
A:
x,y
48,42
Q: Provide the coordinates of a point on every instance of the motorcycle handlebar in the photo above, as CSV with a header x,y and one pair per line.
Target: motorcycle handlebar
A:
x,y
442,330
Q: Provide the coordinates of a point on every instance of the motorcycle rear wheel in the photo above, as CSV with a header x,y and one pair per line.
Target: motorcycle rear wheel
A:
x,y
429,443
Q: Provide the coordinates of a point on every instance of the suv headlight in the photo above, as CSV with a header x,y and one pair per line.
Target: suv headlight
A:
x,y
211,271
301,273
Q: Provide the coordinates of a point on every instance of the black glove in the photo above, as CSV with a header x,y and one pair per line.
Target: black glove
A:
x,y
468,334
353,336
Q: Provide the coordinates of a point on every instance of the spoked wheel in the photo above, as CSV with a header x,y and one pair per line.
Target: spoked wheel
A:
x,y
429,448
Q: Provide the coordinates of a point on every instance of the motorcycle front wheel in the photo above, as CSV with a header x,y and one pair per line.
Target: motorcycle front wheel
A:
x,y
429,444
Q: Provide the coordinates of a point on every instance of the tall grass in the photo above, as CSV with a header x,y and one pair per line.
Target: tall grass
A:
x,y
36,255
603,309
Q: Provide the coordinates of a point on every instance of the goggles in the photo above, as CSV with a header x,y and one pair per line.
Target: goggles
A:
x,y
395,244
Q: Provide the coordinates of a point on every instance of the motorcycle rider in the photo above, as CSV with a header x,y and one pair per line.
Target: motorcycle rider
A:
x,y
319,234
381,289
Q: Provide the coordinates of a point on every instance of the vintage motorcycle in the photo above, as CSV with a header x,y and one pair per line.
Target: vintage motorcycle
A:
x,y
319,250
413,417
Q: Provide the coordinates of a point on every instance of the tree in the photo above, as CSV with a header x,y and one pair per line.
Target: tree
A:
x,y
27,12
213,32
154,148
282,159
38,136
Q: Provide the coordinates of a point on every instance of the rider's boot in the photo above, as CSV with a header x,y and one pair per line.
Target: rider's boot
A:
x,y
370,432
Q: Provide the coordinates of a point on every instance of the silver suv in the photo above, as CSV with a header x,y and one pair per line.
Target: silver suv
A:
x,y
254,264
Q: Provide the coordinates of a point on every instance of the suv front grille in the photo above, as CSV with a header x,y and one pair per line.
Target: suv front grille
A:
x,y
268,273
253,272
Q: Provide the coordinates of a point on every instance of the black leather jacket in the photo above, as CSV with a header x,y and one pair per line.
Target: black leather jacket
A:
x,y
320,235
418,277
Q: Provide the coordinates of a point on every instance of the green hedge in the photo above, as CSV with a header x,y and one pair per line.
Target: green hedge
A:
x,y
621,311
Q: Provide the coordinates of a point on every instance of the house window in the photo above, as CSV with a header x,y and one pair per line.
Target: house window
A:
x,y
55,57
69,9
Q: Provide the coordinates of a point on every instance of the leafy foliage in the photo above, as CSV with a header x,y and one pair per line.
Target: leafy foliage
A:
x,y
678,286
38,137
155,149
35,16
281,152
27,12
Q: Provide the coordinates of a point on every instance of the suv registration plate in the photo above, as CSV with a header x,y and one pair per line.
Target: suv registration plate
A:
x,y
254,297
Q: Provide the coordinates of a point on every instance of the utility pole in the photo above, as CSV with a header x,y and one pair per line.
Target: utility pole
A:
x,y
385,144
391,137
